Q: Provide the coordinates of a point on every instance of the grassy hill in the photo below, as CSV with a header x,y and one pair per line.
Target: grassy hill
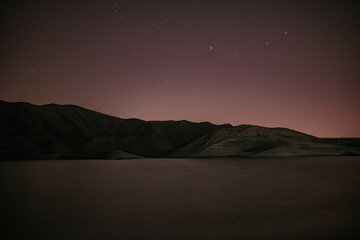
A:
x,y
256,141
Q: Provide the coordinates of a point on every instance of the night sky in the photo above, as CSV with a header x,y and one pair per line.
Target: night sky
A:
x,y
291,64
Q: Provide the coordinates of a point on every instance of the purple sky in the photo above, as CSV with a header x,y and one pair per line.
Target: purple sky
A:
x,y
292,64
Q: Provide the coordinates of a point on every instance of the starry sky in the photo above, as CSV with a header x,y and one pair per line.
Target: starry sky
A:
x,y
291,64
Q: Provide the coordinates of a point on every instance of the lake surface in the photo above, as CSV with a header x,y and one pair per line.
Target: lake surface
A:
x,y
269,198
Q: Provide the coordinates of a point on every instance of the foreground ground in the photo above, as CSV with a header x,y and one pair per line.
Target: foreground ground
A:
x,y
265,198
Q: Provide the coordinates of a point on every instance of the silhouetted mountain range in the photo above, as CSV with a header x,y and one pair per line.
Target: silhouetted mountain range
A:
x,y
70,132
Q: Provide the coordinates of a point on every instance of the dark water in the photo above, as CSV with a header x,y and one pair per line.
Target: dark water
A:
x,y
285,198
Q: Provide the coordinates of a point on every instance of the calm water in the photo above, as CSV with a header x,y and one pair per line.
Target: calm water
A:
x,y
297,198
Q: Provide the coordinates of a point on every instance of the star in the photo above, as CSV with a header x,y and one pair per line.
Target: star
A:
x,y
211,47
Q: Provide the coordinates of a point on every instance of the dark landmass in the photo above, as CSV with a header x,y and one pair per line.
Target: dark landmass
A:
x,y
256,141
70,132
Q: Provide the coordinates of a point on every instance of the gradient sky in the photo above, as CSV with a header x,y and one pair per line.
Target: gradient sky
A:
x,y
292,64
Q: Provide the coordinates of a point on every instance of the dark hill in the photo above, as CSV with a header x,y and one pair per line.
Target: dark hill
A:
x,y
256,141
66,131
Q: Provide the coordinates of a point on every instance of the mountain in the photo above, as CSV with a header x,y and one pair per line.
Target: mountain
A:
x,y
66,131
256,141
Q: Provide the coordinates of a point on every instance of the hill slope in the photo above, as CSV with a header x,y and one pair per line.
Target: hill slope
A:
x,y
66,131
256,141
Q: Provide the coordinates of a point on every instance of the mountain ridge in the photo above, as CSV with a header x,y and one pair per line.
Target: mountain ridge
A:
x,y
54,131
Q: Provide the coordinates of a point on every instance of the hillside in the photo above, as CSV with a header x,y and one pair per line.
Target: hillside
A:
x,y
66,131
256,141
